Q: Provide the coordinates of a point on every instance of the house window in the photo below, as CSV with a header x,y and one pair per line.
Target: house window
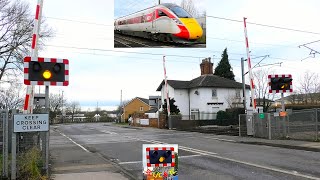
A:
x,y
237,93
141,108
214,93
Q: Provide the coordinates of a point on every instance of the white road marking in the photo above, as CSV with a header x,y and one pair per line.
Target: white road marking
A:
x,y
75,142
180,157
131,162
219,139
190,156
207,153
108,132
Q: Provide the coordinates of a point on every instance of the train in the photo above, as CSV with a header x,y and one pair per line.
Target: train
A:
x,y
164,22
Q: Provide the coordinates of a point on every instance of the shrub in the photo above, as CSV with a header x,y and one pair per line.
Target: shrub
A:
x,y
30,164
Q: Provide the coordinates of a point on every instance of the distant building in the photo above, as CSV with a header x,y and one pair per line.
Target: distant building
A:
x,y
136,105
207,93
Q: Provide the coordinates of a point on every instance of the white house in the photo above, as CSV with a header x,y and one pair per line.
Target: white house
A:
x,y
207,93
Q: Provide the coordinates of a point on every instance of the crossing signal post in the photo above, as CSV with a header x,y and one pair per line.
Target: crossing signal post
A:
x,y
47,72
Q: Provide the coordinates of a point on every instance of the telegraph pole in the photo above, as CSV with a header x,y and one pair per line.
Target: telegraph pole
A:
x,y
159,1
120,104
62,107
243,85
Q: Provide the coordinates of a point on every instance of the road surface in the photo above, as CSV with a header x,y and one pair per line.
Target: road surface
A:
x,y
201,156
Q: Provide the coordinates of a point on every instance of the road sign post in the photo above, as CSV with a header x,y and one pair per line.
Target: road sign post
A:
x,y
281,84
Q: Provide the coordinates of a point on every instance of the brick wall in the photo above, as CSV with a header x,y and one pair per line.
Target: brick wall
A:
x,y
153,122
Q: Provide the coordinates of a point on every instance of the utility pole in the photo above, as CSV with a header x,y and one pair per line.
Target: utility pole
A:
x,y
62,112
243,86
121,105
159,1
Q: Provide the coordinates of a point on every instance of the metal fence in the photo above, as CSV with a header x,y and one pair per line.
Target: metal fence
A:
x,y
299,125
203,116
186,122
23,143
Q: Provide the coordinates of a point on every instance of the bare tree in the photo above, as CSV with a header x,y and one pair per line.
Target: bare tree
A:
x,y
16,27
263,96
204,13
234,101
55,103
12,96
310,87
73,108
188,5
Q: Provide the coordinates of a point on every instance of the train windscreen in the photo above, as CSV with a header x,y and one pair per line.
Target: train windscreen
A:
x,y
180,12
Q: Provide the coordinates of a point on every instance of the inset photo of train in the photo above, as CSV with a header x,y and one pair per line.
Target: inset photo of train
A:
x,y
175,23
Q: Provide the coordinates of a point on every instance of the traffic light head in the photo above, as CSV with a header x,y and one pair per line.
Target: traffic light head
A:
x,y
45,71
160,157
280,84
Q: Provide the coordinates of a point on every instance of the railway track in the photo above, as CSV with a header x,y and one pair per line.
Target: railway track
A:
x,y
125,41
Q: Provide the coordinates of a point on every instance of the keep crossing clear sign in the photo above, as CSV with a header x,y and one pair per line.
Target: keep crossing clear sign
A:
x,y
31,122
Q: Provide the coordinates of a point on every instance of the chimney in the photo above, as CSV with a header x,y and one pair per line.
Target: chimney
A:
x,y
206,66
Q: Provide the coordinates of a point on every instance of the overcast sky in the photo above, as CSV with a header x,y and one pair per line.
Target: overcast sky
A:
x,y
100,75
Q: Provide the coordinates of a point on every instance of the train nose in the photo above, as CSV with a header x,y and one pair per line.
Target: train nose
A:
x,y
195,30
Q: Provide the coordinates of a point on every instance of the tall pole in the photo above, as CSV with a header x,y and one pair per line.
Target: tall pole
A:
x,y
62,108
159,1
282,103
48,132
28,103
166,85
253,99
158,112
243,86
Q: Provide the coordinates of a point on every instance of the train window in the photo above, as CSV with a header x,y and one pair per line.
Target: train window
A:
x,y
160,13
181,13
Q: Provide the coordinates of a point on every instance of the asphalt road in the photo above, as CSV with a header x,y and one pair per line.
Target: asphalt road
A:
x,y
201,156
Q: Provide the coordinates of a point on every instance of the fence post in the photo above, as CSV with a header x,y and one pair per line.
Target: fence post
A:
x,y
288,127
317,130
239,125
269,125
13,150
5,118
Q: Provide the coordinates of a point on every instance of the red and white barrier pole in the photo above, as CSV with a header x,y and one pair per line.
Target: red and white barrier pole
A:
x,y
253,98
28,103
166,85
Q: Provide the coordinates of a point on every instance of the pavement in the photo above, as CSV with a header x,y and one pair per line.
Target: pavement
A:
x,y
69,160
108,151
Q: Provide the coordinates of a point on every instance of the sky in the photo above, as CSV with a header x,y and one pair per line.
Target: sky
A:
x,y
98,72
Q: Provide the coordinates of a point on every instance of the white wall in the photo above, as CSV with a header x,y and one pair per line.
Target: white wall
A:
x,y
182,100
200,101
205,96
152,115
163,93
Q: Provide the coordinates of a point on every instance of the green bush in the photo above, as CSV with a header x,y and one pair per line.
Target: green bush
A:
x,y
229,117
30,164
221,115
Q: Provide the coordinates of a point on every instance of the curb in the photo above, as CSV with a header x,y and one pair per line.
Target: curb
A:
x,y
282,146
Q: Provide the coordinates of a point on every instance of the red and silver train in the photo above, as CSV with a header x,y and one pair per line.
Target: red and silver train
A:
x,y
165,22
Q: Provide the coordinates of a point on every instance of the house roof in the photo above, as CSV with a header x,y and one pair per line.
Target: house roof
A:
x,y
208,80
146,101
152,111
